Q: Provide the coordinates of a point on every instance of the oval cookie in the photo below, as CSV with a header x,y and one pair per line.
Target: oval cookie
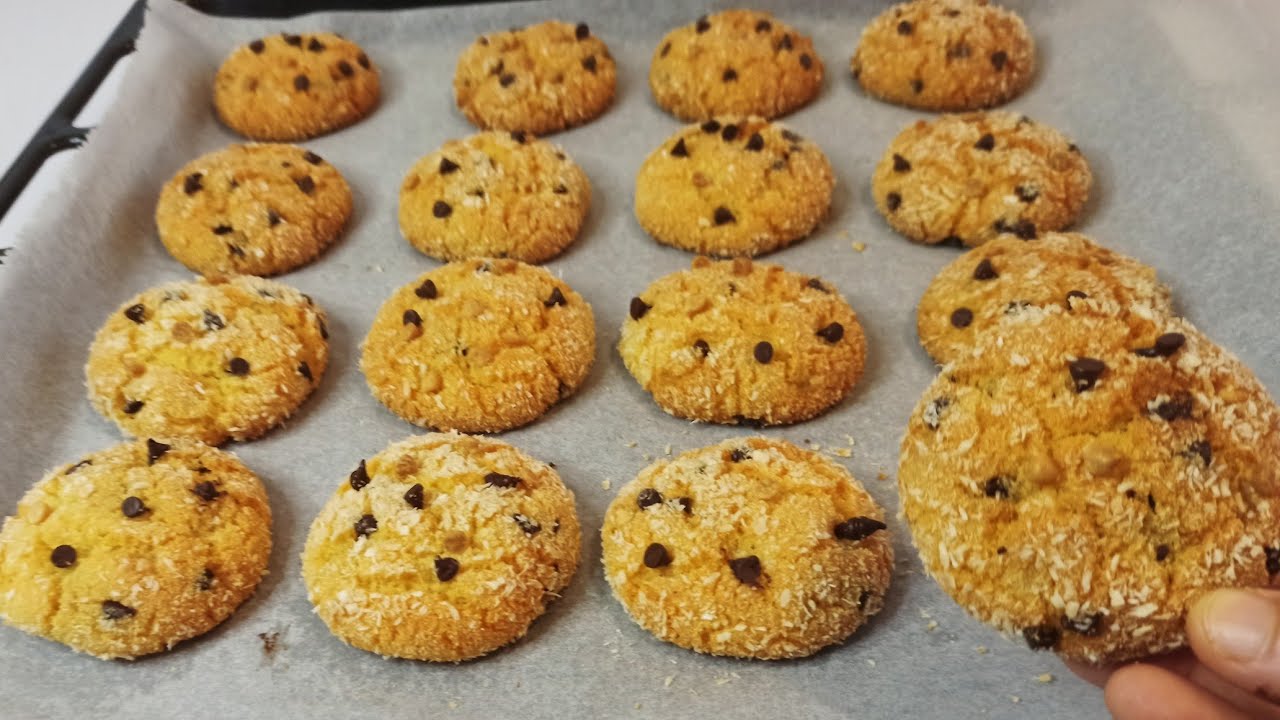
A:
x,y
210,360
252,210
494,194
751,548
479,346
294,87
442,548
736,62
538,79
1007,275
133,549
744,343
737,187
1080,481
964,179
945,55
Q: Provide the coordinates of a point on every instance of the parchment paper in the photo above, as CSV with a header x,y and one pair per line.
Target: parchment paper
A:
x,y
1172,103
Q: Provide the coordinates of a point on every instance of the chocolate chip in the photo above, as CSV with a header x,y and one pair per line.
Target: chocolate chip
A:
x,y
816,284
932,414
985,271
63,556
206,491
1087,625
986,142
155,451
1273,560
998,59
806,62
1042,637
363,60
446,569
997,486
305,370
345,68
273,217
1026,193
191,184
113,610
686,505
962,317
582,32
77,466
301,83
832,333
1024,229
755,143
560,190
1073,148
324,329
746,569
639,308
763,26
1165,345
702,25
763,352
202,470
527,524
900,164
1076,294
702,347
133,507
744,421
950,12
665,49
647,497
729,133
680,150
959,51
213,321
411,317
222,230
711,126
589,63
857,528
499,480
315,46
294,40
506,79
257,46
1162,552
426,291
1085,372
1175,408
722,216
312,158
1202,448
306,184
952,241
238,366
917,86
556,298
738,455
656,556
366,526
132,407
1151,501
785,43
235,250
790,136
904,27
359,477
442,209
893,201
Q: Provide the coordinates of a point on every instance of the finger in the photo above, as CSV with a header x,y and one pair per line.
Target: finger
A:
x,y
1147,692
1252,705
1180,662
1237,634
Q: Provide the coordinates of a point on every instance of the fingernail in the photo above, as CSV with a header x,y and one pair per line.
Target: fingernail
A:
x,y
1240,623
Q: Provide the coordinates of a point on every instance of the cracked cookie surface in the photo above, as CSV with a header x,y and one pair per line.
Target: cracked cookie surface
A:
x,y
479,346
441,547
212,360
494,194
135,548
749,548
1081,480
733,187
252,210
740,342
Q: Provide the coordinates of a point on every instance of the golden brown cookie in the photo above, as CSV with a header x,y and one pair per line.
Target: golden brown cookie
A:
x,y
252,209
538,79
744,343
737,187
736,62
965,179
294,87
441,547
135,548
1006,275
1081,480
212,359
945,55
479,346
752,548
494,194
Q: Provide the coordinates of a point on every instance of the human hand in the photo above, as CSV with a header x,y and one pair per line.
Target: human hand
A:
x,y
1230,672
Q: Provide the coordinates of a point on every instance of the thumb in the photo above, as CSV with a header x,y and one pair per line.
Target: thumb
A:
x,y
1236,633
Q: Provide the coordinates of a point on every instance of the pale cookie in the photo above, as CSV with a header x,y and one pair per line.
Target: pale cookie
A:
x,y
494,194
213,360
737,187
965,179
1081,481
744,343
736,62
538,79
294,87
945,55
252,210
442,548
135,548
1007,275
479,346
752,548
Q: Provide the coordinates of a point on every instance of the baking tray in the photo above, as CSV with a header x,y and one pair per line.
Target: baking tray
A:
x,y
1169,103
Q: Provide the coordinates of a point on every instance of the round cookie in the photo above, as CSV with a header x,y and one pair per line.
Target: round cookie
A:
x,y
441,547
494,194
965,179
539,79
294,87
1080,481
751,548
737,187
479,346
252,210
1006,275
945,55
744,343
211,360
736,62
135,548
